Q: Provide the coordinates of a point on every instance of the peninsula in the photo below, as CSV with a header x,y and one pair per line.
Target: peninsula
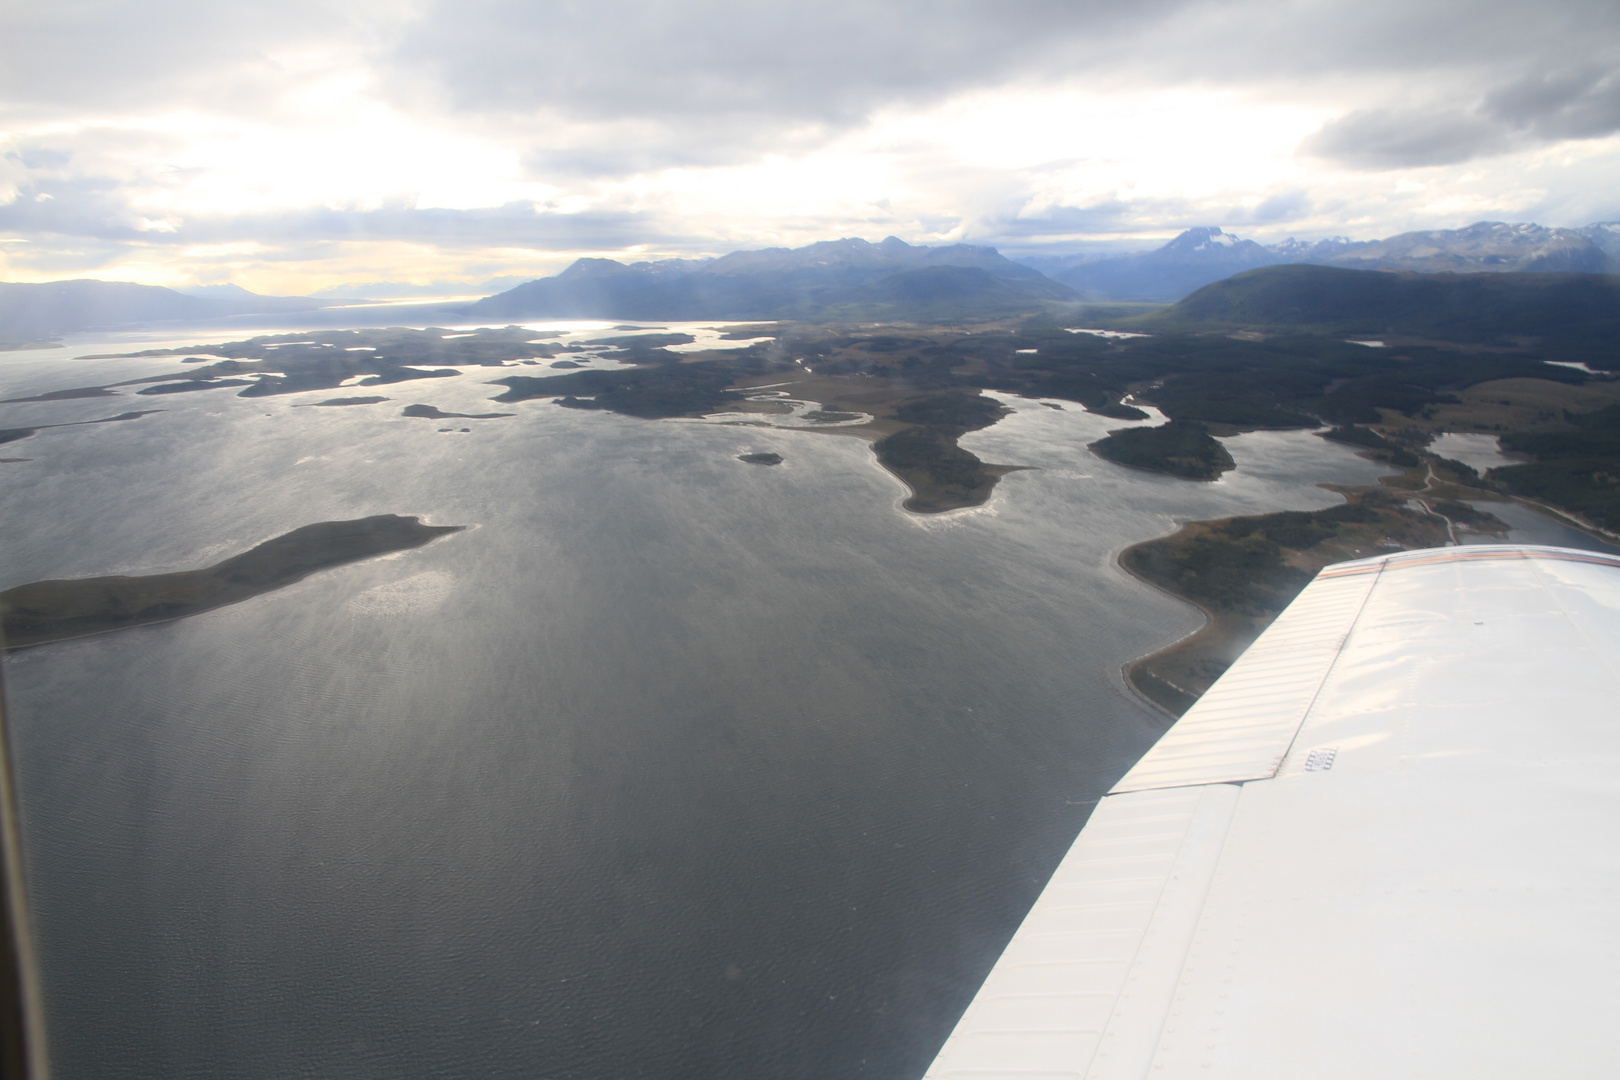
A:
x,y
52,610
1242,571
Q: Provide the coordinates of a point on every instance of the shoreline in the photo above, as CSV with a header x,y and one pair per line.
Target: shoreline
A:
x,y
1127,670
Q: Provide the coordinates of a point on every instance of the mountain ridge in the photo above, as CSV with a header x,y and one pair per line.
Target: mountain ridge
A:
x,y
1206,254
846,278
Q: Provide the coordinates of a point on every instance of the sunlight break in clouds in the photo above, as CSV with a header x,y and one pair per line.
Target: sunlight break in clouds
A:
x,y
416,142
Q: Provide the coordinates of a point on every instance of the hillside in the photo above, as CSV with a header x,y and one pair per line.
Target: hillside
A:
x,y
1576,316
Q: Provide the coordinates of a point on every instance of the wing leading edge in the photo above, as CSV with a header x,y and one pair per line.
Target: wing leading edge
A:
x,y
1378,846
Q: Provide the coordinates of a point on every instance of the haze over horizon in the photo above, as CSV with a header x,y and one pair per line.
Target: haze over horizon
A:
x,y
314,145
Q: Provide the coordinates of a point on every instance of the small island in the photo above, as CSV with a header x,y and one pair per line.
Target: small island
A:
x,y
430,412
765,458
337,402
1181,448
53,610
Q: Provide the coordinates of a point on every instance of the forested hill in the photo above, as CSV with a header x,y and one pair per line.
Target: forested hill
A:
x,y
1576,314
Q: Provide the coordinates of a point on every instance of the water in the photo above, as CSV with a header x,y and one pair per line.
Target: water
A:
x,y
672,766
1479,452
1527,526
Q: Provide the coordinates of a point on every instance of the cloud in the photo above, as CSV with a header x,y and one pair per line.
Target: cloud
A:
x,y
1281,208
713,74
69,57
91,210
831,62
1547,107
328,128
1562,104
1379,139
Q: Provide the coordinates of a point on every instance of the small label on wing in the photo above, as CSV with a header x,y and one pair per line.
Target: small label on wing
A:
x,y
1321,760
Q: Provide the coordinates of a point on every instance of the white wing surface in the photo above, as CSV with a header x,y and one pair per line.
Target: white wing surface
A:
x,y
1382,845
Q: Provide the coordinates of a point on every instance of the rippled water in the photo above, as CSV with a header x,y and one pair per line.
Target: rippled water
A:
x,y
673,766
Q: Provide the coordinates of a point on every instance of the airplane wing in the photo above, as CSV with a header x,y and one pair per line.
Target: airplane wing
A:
x,y
1382,845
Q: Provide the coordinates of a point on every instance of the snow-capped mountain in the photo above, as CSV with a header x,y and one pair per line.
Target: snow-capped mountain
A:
x,y
1486,245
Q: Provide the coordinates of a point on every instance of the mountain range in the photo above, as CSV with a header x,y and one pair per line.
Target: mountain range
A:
x,y
838,279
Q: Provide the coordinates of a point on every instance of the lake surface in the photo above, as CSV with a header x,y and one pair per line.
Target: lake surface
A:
x,y
673,766
1479,452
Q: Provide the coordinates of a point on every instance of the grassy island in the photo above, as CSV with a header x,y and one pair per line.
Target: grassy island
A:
x,y
1181,448
52,610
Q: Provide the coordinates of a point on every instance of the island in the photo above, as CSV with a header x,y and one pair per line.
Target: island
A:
x,y
53,610
429,412
764,458
339,402
1181,448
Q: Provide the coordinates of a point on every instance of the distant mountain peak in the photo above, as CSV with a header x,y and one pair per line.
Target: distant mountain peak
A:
x,y
226,291
1202,238
594,268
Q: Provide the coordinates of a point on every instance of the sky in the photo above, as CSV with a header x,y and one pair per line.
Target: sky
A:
x,y
307,145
